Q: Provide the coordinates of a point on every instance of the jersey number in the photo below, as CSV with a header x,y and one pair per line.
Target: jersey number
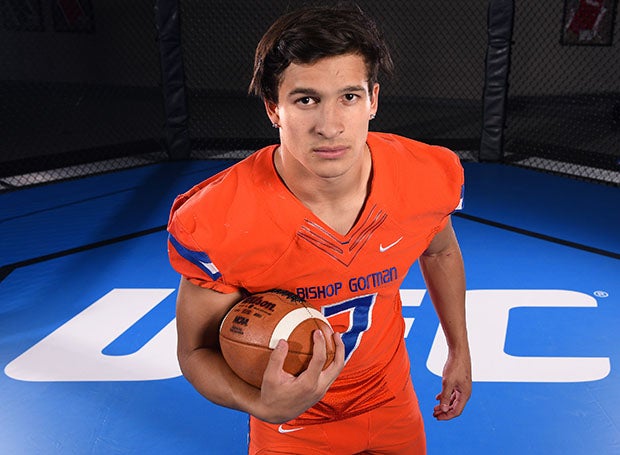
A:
x,y
360,319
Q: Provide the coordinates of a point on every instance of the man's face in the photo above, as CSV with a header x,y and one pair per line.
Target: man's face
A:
x,y
323,113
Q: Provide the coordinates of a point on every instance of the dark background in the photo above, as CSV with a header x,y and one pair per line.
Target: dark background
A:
x,y
80,83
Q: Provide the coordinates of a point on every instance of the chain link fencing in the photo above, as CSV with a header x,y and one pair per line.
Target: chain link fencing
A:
x,y
79,88
563,110
81,93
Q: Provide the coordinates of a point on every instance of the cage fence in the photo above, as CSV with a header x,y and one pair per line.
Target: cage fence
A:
x,y
82,88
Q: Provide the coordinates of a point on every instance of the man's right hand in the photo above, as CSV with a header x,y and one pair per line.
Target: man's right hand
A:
x,y
284,396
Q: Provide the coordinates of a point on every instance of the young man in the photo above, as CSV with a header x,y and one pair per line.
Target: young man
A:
x,y
336,215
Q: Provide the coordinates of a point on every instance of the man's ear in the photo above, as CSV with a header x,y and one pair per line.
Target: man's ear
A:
x,y
272,112
374,99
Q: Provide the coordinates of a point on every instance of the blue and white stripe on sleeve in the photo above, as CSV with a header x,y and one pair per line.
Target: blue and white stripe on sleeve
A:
x,y
198,258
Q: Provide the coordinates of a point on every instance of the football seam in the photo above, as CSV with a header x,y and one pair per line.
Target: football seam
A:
x,y
261,346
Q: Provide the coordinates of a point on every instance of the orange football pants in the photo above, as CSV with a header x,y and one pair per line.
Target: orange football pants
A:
x,y
395,428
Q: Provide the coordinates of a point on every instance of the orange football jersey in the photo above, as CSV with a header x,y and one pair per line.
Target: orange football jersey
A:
x,y
242,228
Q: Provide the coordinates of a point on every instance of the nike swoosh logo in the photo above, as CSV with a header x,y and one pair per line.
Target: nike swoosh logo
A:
x,y
290,430
384,249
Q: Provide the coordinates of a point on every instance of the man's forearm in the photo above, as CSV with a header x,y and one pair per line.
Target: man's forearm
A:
x,y
444,275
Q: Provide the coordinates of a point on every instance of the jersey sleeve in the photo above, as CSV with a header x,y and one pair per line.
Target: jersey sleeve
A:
x,y
451,178
455,179
187,256
440,184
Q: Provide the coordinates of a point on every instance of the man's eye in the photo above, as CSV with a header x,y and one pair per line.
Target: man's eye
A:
x,y
350,96
306,100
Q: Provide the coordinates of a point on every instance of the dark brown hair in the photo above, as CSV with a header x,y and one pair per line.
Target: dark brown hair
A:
x,y
309,34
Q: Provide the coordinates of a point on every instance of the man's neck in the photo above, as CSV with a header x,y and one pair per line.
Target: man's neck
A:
x,y
337,201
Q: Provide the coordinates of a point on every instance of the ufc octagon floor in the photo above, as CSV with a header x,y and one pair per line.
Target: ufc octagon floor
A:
x,y
87,340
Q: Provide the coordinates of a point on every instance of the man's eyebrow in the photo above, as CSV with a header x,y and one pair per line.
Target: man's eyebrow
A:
x,y
303,91
353,88
312,92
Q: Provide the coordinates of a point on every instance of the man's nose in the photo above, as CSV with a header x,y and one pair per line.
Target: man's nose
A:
x,y
330,122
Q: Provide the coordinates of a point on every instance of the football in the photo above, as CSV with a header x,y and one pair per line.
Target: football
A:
x,y
252,328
